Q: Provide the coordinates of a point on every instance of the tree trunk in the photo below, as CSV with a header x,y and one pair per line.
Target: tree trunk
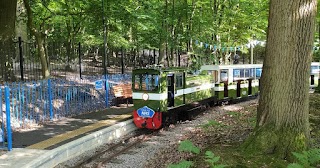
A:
x,y
43,56
68,43
283,121
163,38
7,27
40,41
21,26
166,33
7,18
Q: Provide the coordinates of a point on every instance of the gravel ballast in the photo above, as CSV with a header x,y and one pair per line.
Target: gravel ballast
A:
x,y
155,151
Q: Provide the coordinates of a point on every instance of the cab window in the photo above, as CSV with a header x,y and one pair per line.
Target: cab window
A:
x,y
146,82
179,80
169,81
137,82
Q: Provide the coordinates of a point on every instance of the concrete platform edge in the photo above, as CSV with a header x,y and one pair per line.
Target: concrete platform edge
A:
x,y
81,145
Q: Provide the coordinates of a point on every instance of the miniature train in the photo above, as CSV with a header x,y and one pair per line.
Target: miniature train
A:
x,y
157,91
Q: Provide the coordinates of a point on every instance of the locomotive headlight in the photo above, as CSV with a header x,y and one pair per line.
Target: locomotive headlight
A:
x,y
145,96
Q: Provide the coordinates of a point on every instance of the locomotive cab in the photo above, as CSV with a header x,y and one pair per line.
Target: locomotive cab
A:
x,y
148,97
157,91
154,92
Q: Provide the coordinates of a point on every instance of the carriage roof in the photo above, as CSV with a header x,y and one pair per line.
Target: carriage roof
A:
x,y
237,66
155,69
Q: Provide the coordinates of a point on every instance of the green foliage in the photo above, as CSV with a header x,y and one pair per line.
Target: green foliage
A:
x,y
187,146
150,24
252,121
295,165
316,56
182,164
212,160
306,159
234,113
212,123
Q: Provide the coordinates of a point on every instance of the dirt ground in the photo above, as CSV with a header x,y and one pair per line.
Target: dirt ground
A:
x,y
223,136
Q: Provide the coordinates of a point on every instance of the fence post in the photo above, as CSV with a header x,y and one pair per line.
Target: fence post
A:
x,y
107,90
149,59
122,64
134,57
159,56
21,58
9,133
79,49
142,59
179,58
154,56
50,99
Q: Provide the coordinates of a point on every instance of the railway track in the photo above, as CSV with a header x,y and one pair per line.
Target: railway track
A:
x,y
107,155
110,152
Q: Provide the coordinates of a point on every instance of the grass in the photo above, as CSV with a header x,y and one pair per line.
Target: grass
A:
x,y
231,155
314,119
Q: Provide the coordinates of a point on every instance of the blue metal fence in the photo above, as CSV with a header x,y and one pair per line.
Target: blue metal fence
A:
x,y
41,101
2,121
5,119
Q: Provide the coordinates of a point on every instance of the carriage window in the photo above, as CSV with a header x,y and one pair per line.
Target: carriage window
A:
x,y
252,73
246,73
314,69
179,80
258,72
146,82
236,73
241,73
224,75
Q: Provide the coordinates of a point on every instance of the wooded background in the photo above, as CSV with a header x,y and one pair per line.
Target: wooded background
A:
x,y
65,37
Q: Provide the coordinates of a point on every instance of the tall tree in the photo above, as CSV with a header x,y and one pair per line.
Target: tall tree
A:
x,y
40,35
7,18
283,121
7,24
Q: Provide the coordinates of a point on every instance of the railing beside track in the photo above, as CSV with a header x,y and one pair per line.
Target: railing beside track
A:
x,y
37,102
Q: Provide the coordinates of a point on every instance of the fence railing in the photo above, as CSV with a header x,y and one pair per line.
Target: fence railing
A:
x,y
22,62
37,102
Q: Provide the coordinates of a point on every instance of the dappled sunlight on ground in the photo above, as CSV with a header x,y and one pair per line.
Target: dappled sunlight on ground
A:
x,y
232,107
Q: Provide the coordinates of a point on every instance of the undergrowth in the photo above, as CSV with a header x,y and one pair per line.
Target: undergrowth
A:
x,y
306,159
188,146
226,133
